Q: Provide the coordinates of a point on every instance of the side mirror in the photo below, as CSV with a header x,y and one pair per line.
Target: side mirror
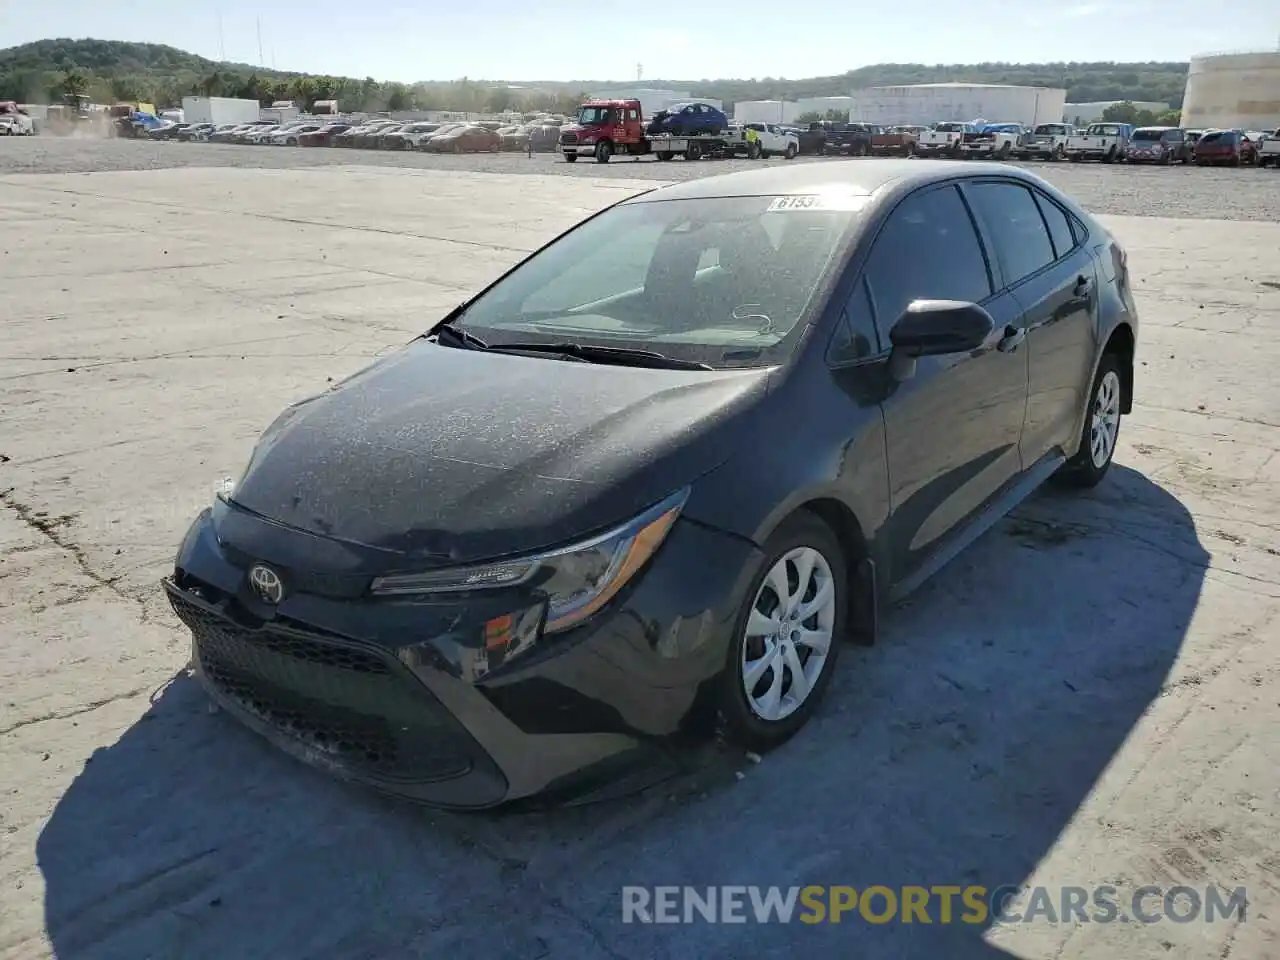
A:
x,y
935,327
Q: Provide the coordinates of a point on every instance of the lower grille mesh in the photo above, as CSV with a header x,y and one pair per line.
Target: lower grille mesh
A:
x,y
355,706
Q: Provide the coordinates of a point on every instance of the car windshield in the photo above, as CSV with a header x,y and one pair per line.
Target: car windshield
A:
x,y
728,281
1218,138
952,128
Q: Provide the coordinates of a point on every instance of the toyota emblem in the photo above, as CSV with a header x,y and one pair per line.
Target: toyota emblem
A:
x,y
266,583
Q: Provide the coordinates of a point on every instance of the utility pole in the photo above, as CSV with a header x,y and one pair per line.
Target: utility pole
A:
x,y
261,61
222,46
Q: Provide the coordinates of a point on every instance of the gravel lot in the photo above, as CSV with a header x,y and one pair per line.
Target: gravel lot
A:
x,y
1088,696
1213,193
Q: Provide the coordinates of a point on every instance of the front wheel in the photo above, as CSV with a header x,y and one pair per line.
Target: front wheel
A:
x,y
1005,150
791,151
570,158
604,151
1101,428
1060,153
787,636
694,151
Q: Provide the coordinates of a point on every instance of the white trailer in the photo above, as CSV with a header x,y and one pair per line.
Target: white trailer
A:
x,y
220,110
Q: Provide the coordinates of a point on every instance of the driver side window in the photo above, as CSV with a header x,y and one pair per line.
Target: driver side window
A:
x,y
928,249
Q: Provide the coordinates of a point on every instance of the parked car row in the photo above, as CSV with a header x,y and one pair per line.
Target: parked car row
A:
x,y
484,136
1104,142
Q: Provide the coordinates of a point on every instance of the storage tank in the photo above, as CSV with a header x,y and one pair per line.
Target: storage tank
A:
x,y
923,103
1233,90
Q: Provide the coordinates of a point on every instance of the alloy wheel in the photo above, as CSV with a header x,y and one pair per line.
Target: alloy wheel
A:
x,y
788,634
1106,419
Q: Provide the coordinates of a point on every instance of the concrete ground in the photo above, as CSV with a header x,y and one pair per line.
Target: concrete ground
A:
x,y
1088,696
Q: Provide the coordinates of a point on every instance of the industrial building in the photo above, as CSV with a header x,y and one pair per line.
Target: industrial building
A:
x,y
765,111
929,102
1233,90
651,100
1082,113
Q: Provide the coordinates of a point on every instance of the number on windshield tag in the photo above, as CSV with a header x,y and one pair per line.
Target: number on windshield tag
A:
x,y
794,203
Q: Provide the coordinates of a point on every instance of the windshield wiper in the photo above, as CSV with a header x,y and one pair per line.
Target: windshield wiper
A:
x,y
622,356
459,336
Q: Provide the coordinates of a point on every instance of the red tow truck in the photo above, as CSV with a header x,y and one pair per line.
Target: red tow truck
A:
x,y
608,127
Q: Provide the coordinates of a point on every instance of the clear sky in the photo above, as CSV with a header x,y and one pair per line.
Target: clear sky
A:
x,y
673,39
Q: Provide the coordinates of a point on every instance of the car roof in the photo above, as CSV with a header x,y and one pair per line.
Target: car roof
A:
x,y
857,176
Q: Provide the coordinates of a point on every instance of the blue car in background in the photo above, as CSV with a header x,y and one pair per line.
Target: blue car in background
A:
x,y
689,119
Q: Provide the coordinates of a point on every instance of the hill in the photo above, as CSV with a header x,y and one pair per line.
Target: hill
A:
x,y
109,70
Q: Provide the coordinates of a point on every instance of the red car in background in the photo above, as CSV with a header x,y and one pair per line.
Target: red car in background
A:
x,y
1230,147
466,139
322,137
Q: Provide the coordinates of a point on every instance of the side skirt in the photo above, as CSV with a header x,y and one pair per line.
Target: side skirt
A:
x,y
996,511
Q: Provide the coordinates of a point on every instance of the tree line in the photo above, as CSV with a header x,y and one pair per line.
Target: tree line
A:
x,y
111,71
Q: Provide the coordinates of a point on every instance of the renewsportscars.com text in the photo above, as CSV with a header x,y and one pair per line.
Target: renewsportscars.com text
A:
x,y
941,904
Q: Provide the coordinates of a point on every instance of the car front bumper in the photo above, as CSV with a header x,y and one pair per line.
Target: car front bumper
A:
x,y
404,695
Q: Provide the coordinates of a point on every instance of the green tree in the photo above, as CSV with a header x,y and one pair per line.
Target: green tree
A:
x,y
398,97
73,84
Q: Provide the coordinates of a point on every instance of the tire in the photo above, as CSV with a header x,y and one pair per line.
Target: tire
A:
x,y
744,719
604,151
1060,153
753,150
664,155
694,152
1005,151
791,151
1083,470
570,158
1110,157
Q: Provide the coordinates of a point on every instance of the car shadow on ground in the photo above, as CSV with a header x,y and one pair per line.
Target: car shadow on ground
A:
x,y
954,752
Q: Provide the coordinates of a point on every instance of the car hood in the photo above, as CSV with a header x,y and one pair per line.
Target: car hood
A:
x,y
448,455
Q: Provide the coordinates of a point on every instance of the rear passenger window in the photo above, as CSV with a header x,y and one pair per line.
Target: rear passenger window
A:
x,y
1059,227
1016,227
927,250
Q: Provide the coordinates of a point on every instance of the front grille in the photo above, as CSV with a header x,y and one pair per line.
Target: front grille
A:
x,y
568,138
357,707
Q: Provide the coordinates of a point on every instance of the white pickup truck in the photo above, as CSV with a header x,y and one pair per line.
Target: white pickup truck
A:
x,y
772,139
1269,150
994,140
943,140
14,121
1107,142
1048,141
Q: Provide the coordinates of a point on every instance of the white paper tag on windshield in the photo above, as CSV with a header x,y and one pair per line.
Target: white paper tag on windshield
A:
x,y
817,201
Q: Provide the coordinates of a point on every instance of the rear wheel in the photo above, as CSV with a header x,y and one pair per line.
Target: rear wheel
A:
x,y
787,636
1101,428
791,151
694,151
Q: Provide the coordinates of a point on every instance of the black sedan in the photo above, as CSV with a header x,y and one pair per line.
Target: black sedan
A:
x,y
656,473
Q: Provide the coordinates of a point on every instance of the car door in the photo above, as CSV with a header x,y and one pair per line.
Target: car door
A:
x,y
953,429
1045,265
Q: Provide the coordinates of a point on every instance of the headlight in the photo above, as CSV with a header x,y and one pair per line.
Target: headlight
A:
x,y
576,580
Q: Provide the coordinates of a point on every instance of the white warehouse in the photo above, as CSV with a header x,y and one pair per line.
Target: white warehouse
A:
x,y
765,111
1233,90
929,102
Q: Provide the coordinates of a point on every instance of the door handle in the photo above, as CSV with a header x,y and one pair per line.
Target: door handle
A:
x,y
1083,286
1013,337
